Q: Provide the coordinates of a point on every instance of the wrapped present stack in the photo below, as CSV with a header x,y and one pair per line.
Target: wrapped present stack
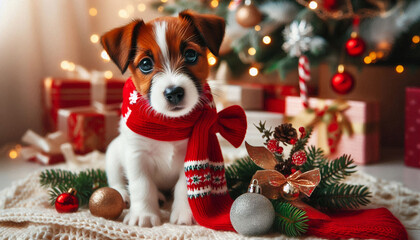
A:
x,y
85,107
62,93
412,127
340,127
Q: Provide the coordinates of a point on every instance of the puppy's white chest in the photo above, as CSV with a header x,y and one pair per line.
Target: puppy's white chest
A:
x,y
162,161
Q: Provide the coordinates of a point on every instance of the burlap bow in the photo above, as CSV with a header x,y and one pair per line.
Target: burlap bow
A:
x,y
271,181
330,122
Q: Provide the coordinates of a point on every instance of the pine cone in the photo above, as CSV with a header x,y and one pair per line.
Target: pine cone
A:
x,y
285,132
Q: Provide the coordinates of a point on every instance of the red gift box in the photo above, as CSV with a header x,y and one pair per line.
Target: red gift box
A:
x,y
67,93
359,127
88,128
412,127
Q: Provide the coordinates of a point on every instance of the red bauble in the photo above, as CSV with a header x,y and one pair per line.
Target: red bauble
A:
x,y
299,158
67,202
355,46
342,83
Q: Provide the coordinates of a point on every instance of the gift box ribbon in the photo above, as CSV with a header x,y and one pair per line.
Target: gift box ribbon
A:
x,y
330,121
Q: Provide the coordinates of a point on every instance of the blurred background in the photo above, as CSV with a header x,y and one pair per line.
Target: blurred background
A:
x,y
365,52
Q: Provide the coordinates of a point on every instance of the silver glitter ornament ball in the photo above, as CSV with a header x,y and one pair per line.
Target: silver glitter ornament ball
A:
x,y
252,214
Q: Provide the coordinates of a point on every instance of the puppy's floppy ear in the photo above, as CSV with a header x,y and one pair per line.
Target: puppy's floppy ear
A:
x,y
210,27
120,43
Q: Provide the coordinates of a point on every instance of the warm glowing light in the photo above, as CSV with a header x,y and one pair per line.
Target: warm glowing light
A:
x,y
252,51
123,13
367,60
257,28
211,59
372,55
313,5
13,154
93,12
266,40
253,71
380,54
65,65
160,9
94,38
214,3
141,7
71,66
415,39
399,69
340,68
108,74
105,56
164,1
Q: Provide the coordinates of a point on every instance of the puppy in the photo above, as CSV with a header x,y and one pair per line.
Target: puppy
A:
x,y
167,58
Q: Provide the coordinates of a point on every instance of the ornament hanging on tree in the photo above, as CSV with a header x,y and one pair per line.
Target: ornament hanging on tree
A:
x,y
342,82
67,202
106,202
355,46
248,15
251,213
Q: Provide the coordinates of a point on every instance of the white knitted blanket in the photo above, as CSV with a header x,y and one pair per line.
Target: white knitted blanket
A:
x,y
25,213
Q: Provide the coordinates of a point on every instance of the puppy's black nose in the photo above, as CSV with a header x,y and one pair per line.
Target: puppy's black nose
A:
x,y
174,95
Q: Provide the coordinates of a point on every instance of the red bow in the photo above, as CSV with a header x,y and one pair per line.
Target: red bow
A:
x,y
231,124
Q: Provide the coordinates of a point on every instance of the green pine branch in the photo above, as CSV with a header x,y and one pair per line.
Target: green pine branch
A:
x,y
289,220
266,133
315,159
340,196
336,170
54,177
85,183
239,175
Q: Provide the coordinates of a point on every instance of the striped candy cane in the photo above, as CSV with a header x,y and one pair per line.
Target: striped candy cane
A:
x,y
304,76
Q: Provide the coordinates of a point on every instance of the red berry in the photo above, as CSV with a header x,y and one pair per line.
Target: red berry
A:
x,y
279,150
293,170
299,158
302,129
293,141
272,145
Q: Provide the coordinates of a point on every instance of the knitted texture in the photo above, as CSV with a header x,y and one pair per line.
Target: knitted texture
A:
x,y
365,224
25,213
204,166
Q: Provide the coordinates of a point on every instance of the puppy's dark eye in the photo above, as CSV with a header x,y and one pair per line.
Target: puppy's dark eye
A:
x,y
146,65
190,56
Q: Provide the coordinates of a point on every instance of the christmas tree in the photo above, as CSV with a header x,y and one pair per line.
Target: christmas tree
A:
x,y
268,36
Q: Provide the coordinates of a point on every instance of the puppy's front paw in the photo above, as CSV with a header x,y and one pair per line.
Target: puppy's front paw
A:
x,y
182,215
124,195
142,219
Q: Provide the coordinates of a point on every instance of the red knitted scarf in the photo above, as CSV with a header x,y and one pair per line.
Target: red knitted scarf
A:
x,y
204,168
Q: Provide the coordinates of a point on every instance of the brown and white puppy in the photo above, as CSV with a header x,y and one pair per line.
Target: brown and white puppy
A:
x,y
167,58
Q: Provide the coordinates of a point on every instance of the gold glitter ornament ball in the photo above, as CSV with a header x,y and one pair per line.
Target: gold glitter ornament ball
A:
x,y
106,202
